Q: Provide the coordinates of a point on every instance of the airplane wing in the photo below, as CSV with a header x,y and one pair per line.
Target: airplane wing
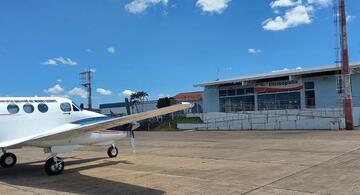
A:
x,y
80,127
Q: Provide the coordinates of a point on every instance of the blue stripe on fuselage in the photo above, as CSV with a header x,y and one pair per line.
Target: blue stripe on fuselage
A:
x,y
92,120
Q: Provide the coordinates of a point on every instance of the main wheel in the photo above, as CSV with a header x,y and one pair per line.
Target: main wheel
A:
x,y
53,167
8,160
113,151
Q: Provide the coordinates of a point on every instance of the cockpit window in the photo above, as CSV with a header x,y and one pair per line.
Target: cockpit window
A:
x,y
65,107
75,107
43,108
13,108
28,108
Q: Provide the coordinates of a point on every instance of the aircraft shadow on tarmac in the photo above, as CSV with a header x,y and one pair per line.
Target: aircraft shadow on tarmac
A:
x,y
71,181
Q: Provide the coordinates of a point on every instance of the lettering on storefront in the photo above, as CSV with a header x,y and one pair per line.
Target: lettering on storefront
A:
x,y
279,86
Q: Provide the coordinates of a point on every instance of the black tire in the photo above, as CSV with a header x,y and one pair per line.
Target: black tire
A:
x,y
113,152
8,160
50,166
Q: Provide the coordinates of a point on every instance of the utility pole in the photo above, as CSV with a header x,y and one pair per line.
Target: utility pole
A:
x,y
346,72
85,81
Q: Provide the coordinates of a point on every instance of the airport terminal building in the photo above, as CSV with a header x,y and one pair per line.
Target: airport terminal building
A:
x,y
291,89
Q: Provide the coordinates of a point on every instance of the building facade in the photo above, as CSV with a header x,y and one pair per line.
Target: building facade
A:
x,y
292,89
191,97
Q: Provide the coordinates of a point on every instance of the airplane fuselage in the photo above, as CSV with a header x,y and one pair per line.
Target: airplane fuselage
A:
x,y
28,116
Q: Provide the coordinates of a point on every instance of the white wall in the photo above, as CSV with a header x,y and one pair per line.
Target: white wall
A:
x,y
312,119
211,100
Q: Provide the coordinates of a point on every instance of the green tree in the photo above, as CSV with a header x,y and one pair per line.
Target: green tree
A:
x,y
164,102
138,98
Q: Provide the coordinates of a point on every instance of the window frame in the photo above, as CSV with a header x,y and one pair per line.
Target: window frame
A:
x,y
310,92
309,85
75,108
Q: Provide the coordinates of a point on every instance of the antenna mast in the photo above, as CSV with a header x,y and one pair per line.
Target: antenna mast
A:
x,y
346,72
86,82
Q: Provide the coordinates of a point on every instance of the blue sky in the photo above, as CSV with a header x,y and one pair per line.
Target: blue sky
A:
x,y
159,46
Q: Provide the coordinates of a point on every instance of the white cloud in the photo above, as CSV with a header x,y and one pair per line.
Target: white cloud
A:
x,y
322,3
66,61
50,62
104,92
78,92
297,12
281,70
126,93
212,6
93,70
56,89
294,17
254,51
89,50
139,6
60,60
111,50
285,3
350,18
287,69
59,80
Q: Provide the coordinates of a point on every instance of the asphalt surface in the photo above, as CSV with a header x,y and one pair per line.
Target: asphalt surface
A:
x,y
310,162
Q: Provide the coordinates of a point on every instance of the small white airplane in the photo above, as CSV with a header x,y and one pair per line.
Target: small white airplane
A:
x,y
58,125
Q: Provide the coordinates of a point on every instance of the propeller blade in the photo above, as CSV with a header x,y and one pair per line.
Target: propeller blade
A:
x,y
132,138
133,141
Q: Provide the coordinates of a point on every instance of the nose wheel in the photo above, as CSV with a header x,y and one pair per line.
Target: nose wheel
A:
x,y
8,160
54,166
113,151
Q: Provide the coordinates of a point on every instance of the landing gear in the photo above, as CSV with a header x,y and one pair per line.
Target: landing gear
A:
x,y
8,160
54,166
113,151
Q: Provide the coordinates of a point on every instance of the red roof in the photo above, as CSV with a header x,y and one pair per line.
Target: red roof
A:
x,y
189,96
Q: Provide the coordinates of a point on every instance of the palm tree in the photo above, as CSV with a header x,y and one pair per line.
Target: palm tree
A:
x,y
139,98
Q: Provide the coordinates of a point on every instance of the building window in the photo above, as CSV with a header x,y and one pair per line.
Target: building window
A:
x,y
237,104
250,91
13,108
28,108
309,85
65,107
231,92
310,94
339,85
279,101
43,108
222,93
240,92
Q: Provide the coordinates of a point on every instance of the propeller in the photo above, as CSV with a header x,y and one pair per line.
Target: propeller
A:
x,y
132,127
132,140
